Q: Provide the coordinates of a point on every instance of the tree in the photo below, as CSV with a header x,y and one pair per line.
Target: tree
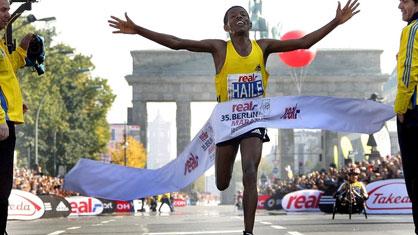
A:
x,y
136,155
72,120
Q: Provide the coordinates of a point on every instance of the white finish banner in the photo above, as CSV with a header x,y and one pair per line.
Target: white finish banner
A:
x,y
302,112
115,182
227,121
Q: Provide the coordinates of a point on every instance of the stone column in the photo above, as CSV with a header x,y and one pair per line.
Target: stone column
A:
x,y
139,117
286,152
183,122
329,140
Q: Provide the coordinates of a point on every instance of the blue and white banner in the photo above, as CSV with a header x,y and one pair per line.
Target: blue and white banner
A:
x,y
227,121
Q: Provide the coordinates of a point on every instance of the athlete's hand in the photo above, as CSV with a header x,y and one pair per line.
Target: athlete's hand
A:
x,y
347,12
122,26
4,131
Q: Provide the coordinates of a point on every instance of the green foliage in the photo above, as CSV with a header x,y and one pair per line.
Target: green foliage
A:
x,y
72,107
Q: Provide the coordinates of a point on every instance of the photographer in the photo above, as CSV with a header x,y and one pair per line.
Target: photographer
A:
x,y
11,110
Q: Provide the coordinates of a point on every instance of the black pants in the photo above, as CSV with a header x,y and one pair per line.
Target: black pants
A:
x,y
168,202
407,136
7,148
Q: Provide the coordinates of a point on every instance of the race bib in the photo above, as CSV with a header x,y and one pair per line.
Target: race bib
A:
x,y
245,85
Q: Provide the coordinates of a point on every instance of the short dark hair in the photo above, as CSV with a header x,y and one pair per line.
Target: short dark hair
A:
x,y
226,13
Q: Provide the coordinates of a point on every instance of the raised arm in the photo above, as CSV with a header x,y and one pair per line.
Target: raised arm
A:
x,y
129,27
342,15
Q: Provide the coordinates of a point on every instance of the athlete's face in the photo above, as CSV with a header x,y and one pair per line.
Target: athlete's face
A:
x,y
353,178
4,13
408,9
238,21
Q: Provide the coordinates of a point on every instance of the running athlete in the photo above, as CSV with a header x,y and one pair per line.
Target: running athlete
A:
x,y
240,73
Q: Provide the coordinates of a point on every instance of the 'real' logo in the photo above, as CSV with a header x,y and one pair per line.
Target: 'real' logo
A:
x,y
291,113
247,106
191,163
85,205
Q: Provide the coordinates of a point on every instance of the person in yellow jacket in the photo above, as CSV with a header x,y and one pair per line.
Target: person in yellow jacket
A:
x,y
11,110
240,73
165,199
406,101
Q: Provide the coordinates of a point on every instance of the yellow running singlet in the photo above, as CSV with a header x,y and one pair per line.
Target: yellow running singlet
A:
x,y
241,77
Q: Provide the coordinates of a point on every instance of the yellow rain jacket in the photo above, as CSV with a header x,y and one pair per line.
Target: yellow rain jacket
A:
x,y
407,69
11,108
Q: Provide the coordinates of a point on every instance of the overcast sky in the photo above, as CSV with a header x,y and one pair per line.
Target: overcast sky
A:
x,y
83,25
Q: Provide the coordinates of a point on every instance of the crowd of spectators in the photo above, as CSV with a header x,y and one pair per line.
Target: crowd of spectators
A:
x,y
328,180
34,181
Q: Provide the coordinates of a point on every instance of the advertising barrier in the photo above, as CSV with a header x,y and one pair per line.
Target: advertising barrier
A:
x,y
124,206
274,202
261,200
55,206
326,203
388,197
137,205
85,205
108,206
25,206
179,202
302,200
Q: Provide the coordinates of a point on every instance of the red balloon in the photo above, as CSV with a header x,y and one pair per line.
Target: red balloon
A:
x,y
297,58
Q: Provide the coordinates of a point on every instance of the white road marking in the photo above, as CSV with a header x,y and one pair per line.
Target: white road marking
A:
x,y
278,227
72,228
268,223
106,221
294,233
57,232
197,232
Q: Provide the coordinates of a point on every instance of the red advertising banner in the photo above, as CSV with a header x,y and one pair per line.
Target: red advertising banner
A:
x,y
261,200
179,202
123,207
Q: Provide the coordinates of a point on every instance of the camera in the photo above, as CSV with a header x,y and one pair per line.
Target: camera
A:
x,y
36,54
